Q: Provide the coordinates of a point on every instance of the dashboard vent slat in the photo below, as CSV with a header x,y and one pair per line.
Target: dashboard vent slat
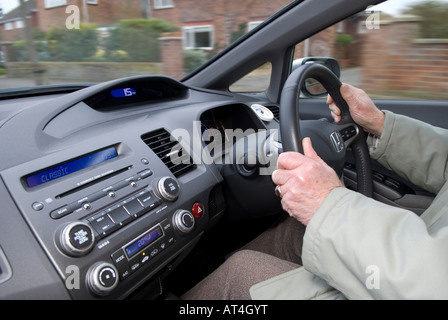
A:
x,y
276,111
169,151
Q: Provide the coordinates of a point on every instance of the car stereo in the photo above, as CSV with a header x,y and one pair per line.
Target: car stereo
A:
x,y
118,217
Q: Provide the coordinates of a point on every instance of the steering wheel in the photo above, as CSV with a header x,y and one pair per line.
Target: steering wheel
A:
x,y
330,140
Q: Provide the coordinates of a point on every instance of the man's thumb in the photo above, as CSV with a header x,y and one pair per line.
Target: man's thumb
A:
x,y
346,93
308,149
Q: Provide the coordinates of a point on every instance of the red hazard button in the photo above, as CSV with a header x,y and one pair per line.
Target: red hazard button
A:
x,y
198,210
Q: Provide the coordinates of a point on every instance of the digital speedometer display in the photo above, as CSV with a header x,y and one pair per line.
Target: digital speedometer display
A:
x,y
70,167
123,93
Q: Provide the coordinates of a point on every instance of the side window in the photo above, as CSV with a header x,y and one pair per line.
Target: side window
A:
x,y
256,81
390,51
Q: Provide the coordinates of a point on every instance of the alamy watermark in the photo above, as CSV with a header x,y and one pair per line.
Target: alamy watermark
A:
x,y
373,20
73,20
373,278
226,146
73,279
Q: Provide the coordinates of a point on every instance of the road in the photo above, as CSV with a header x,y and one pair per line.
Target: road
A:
x,y
352,76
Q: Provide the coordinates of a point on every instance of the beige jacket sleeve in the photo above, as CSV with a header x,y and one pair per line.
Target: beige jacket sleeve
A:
x,y
366,249
415,150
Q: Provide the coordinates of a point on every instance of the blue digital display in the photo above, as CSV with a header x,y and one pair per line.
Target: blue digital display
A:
x,y
122,93
67,168
143,241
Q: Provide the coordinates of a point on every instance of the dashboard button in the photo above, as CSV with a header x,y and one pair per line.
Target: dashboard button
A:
x,y
197,210
37,206
184,221
148,200
145,174
120,216
61,212
134,208
102,224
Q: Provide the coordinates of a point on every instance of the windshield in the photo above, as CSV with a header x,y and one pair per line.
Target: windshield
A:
x,y
48,42
59,42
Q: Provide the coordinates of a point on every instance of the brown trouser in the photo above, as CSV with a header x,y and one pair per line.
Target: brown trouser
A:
x,y
276,251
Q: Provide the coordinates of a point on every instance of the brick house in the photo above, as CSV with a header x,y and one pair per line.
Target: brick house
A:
x,y
214,24
205,24
12,23
44,14
209,24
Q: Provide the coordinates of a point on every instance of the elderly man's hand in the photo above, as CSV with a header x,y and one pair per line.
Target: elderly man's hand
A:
x,y
304,181
362,109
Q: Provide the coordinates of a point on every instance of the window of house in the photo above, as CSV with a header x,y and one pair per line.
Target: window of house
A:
x,y
9,26
198,37
163,4
19,24
54,3
340,27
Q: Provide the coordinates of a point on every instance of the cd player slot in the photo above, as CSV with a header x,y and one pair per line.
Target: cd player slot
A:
x,y
93,182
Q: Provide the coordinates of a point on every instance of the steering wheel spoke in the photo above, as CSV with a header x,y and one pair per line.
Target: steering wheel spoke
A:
x,y
349,132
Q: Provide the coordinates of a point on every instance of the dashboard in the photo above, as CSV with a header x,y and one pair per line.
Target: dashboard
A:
x,y
107,189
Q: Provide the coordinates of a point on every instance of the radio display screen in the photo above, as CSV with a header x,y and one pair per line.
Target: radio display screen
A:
x,y
144,241
70,167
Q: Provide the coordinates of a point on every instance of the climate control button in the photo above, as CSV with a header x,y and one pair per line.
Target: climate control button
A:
x,y
102,278
183,220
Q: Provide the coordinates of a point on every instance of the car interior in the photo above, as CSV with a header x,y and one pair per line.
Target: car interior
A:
x,y
139,187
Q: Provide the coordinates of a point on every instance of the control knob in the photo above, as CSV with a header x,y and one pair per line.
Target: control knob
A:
x,y
76,239
168,189
183,220
102,278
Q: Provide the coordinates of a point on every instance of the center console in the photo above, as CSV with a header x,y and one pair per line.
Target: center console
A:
x,y
111,218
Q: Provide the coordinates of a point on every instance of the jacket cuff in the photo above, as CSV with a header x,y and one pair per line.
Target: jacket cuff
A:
x,y
378,146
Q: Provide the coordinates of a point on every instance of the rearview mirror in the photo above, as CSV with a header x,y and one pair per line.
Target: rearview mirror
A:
x,y
311,87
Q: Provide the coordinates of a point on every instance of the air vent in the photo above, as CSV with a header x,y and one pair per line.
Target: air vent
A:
x,y
276,111
169,151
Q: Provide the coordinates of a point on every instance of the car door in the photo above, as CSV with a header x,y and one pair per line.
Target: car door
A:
x,y
389,187
403,68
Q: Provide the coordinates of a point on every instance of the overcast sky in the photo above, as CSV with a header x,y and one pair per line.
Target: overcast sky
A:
x,y
8,5
392,6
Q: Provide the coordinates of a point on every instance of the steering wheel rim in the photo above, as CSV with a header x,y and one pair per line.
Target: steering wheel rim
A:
x,y
290,120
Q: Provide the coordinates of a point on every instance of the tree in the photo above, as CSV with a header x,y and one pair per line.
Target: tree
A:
x,y
434,15
72,45
344,40
138,38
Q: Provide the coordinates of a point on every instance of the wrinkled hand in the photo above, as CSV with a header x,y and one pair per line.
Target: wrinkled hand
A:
x,y
305,181
362,109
